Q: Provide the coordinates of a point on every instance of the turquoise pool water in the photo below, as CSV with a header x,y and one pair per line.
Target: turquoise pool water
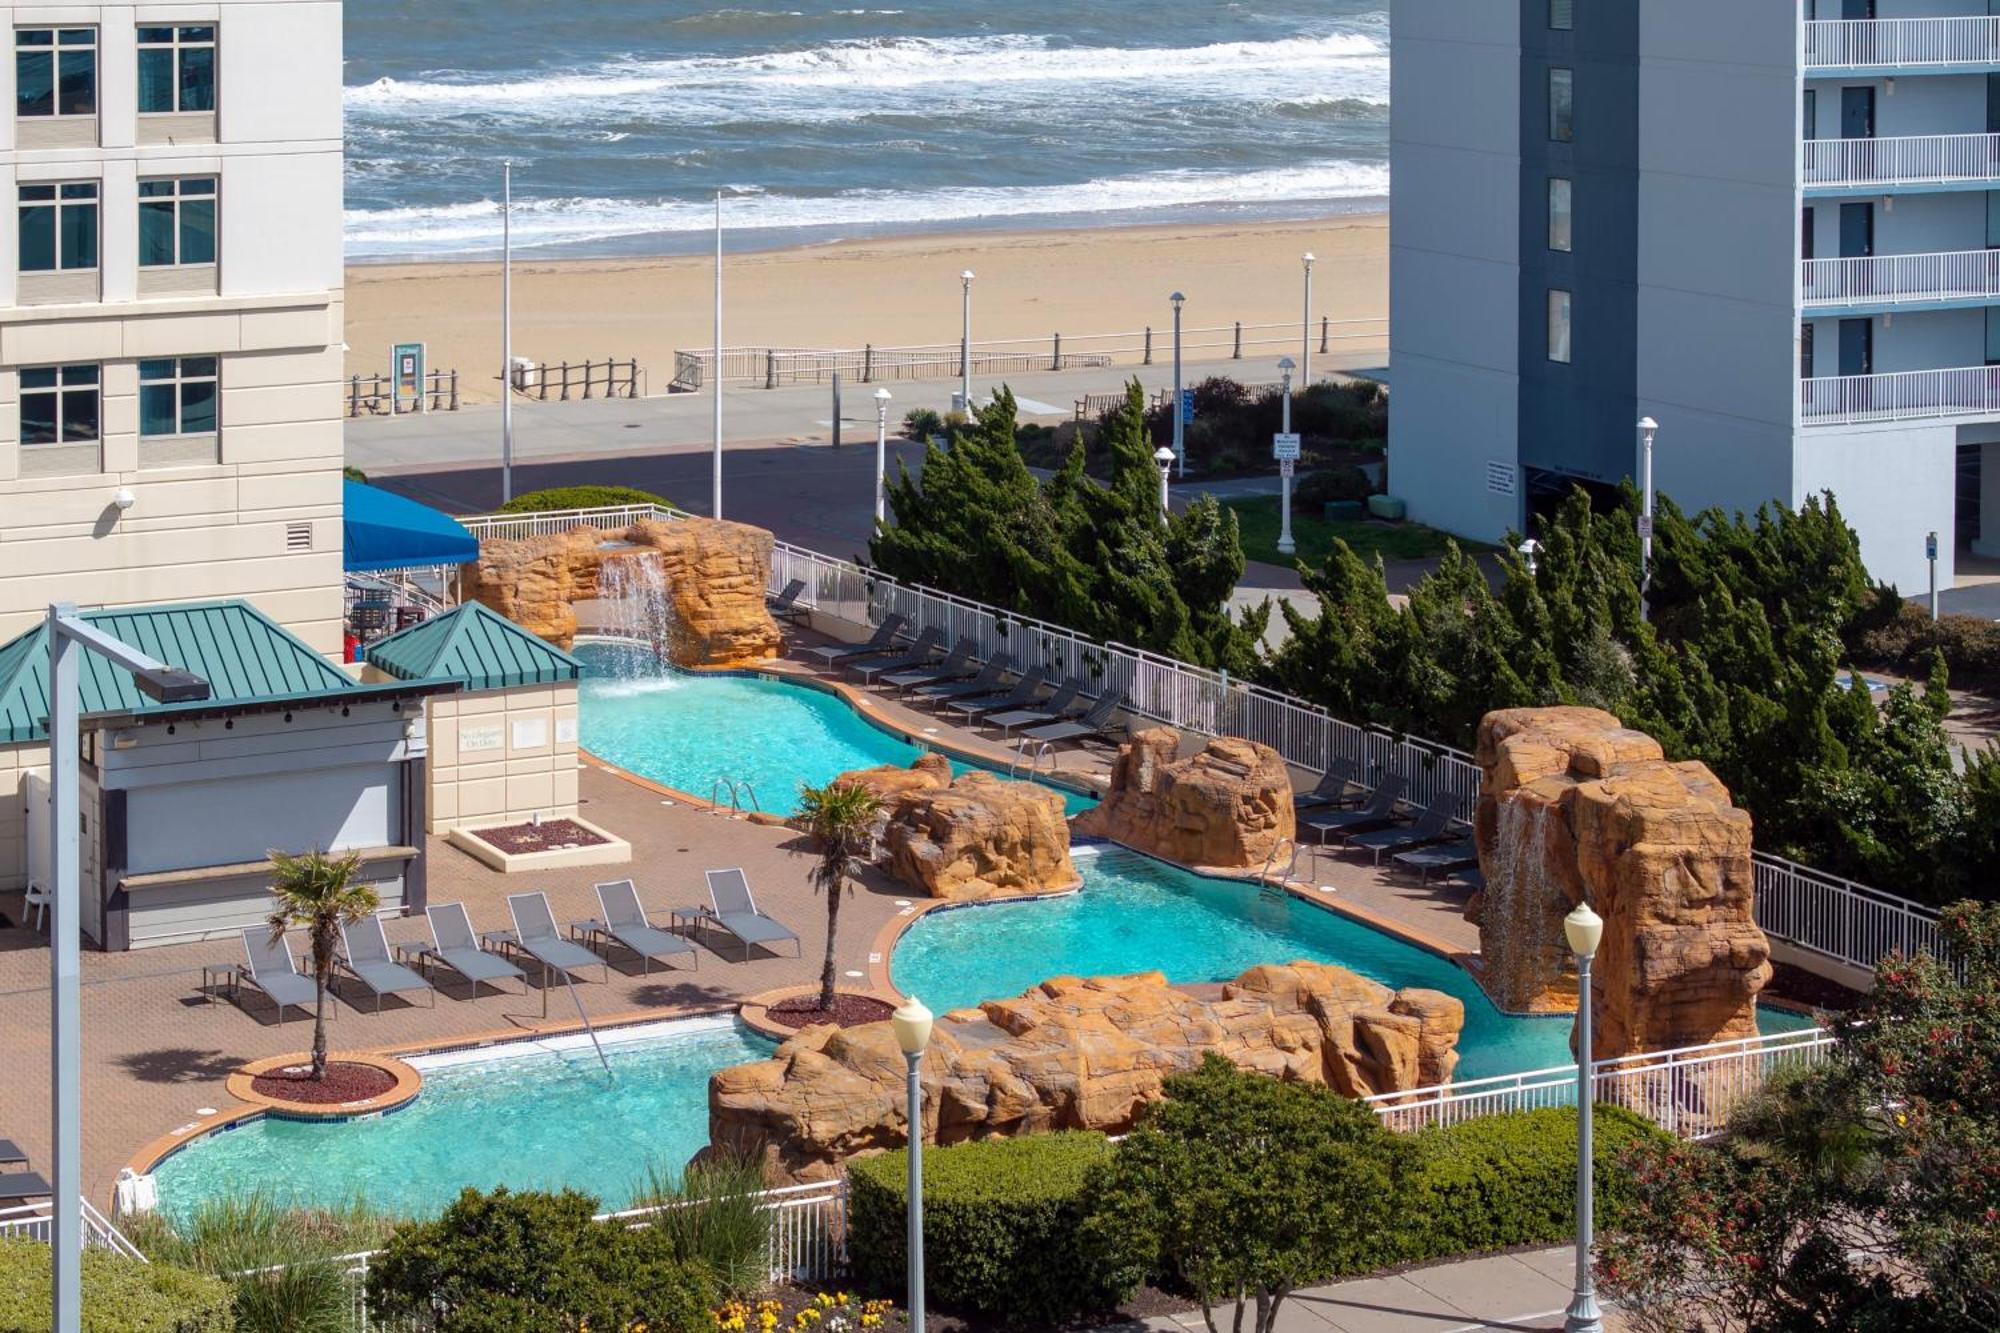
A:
x,y
545,1115
1136,913
684,730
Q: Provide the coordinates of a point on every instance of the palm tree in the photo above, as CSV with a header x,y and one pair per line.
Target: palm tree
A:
x,y
317,892
840,816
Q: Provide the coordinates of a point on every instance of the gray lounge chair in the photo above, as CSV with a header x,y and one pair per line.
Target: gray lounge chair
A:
x,y
919,654
272,971
18,1185
736,912
1445,858
883,641
1095,722
11,1154
997,669
455,944
957,662
1380,811
1024,691
1055,708
785,606
1433,825
369,961
625,921
1335,788
535,931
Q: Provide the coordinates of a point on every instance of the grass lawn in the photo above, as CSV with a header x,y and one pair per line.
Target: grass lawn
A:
x,y
1258,518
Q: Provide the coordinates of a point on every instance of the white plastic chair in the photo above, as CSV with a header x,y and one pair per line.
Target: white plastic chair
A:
x,y
39,900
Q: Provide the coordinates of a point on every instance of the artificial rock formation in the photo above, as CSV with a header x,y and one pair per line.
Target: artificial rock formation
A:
x,y
1073,1054
1228,806
891,783
1574,805
982,837
714,576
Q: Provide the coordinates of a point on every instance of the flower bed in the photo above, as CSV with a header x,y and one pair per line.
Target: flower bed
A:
x,y
809,1312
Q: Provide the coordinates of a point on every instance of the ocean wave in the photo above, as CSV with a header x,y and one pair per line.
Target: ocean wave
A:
x,y
464,227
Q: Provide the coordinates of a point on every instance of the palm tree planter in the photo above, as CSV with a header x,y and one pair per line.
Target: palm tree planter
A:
x,y
840,819
317,893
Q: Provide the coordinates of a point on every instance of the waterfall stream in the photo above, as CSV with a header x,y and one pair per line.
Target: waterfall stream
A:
x,y
634,601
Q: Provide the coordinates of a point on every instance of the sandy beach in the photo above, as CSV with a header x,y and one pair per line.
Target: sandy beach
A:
x,y
896,291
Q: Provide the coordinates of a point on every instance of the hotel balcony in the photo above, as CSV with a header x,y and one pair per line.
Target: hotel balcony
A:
x,y
1910,395
1952,280
1913,165
1966,45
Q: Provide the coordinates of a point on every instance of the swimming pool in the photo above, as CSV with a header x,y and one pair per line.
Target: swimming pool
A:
x,y
685,729
539,1114
1136,913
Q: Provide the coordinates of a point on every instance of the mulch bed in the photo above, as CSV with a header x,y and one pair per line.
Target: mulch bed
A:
x,y
550,835
803,1011
344,1083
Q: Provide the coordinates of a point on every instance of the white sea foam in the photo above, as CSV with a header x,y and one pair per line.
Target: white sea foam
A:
x,y
457,228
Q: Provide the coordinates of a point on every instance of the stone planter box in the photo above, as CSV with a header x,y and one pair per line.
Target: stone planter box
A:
x,y
1346,509
612,850
1387,506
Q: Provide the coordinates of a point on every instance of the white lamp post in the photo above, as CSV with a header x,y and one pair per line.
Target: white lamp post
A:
x,y
715,444
69,638
1529,549
1584,930
1165,458
965,345
1180,412
881,454
1287,450
912,1023
1648,429
1306,342
506,332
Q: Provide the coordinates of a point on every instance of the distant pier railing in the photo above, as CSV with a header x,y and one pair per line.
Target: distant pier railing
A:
x,y
581,379
373,395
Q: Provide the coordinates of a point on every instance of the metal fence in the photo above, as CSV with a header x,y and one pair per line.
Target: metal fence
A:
x,y
1901,43
1917,159
36,1221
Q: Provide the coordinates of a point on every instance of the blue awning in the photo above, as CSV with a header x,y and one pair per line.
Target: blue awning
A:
x,y
386,531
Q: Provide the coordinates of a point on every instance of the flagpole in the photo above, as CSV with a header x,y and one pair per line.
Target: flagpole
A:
x,y
715,366
506,332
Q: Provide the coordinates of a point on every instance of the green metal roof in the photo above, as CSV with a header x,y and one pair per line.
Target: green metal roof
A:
x,y
476,647
243,655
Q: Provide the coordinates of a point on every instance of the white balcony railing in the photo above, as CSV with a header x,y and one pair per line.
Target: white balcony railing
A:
x,y
1904,280
1924,159
1909,395
1901,43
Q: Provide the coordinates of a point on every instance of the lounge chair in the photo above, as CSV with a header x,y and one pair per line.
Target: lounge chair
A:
x,y
785,606
998,667
1056,708
1433,825
1095,722
957,663
1335,787
455,944
535,931
11,1154
18,1185
625,921
736,912
919,653
1024,691
884,639
1445,858
272,971
370,962
1378,813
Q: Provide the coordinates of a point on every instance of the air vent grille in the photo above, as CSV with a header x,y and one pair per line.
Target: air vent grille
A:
x,y
298,536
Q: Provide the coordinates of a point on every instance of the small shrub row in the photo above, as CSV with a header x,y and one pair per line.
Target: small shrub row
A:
x,y
120,1295
1898,635
1233,424
581,497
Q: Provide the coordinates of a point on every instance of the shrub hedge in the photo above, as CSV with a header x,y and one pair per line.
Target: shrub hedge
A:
x,y
1001,1219
581,497
119,1295
1894,634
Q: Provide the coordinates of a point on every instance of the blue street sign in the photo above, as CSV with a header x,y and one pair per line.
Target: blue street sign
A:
x,y
1187,407
1930,547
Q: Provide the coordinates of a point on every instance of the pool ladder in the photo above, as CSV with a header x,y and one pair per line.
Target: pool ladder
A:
x,y
1035,760
1276,892
737,790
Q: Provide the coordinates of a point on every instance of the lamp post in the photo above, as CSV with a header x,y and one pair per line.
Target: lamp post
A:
x,y
881,455
912,1023
1165,458
965,346
1180,410
715,444
1648,429
1529,549
1584,930
1306,339
1287,450
69,638
506,332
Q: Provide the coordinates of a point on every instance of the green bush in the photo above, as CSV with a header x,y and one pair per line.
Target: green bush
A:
x,y
581,497
1506,1180
1894,634
1340,483
522,1263
119,1295
1000,1224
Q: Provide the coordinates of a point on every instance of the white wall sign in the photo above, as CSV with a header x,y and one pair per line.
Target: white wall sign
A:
x,y
1499,477
531,733
474,737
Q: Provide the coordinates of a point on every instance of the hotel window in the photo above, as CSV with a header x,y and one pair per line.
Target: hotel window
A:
x,y
177,396
177,221
55,72
59,405
1562,15
1561,201
1562,105
176,69
1559,333
58,227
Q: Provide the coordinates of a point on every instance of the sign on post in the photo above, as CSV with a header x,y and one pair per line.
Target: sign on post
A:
x,y
1930,547
406,377
1285,447
1645,525
1187,407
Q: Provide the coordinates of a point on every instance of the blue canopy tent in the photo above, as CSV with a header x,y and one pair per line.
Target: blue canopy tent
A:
x,y
386,531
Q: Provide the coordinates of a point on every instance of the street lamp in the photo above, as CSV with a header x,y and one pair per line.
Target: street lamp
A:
x,y
965,346
1529,549
69,638
1286,449
1306,341
912,1023
1648,429
881,454
1584,930
1180,410
506,332
1165,458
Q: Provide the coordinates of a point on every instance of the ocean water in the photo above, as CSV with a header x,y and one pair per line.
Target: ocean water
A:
x,y
822,119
